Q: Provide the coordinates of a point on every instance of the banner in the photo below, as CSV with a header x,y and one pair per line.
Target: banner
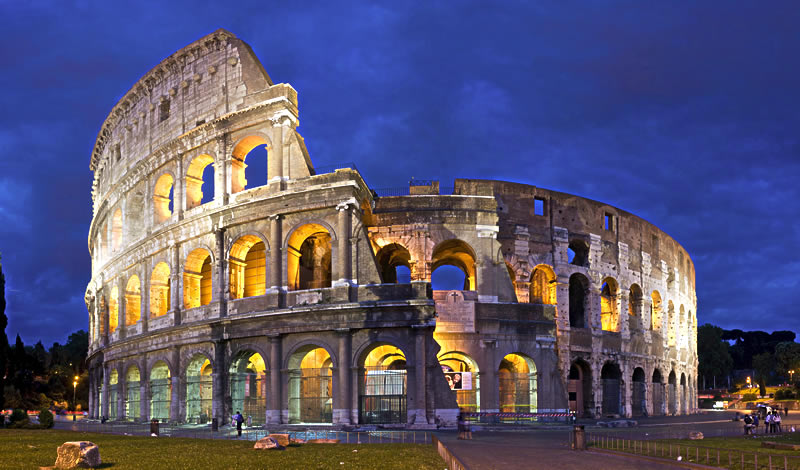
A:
x,y
459,380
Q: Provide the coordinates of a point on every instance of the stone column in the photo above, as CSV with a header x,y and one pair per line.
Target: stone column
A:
x,y
176,293
345,264
490,391
104,314
274,402
179,201
121,308
275,262
106,392
177,395
275,161
219,254
144,391
219,377
122,395
144,306
418,408
91,392
342,394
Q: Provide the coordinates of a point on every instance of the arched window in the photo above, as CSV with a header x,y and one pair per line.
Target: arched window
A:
x,y
257,148
543,285
517,384
609,313
462,375
579,388
199,389
394,261
635,308
638,395
197,279
248,379
133,393
310,386
116,230
670,323
655,311
160,391
578,253
610,376
247,263
382,386
199,174
309,258
578,285
162,198
113,310
658,393
113,394
159,290
133,301
458,254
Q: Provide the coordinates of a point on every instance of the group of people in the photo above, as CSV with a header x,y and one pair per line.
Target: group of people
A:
x,y
771,420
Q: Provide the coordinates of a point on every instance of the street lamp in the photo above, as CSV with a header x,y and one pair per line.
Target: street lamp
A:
x,y
74,403
791,375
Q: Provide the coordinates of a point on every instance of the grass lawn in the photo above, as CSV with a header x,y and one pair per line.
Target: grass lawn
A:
x,y
35,448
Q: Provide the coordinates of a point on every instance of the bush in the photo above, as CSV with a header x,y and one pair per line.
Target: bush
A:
x,y
45,419
19,418
749,397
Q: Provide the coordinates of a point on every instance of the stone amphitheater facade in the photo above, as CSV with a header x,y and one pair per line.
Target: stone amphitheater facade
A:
x,y
308,299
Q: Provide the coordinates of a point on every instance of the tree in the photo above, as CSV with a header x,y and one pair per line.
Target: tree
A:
x,y
3,337
713,353
763,364
787,355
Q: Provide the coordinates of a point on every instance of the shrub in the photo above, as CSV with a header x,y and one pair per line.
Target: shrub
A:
x,y
749,397
45,418
19,418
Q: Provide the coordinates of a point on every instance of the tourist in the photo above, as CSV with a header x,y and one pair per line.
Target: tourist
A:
x,y
464,429
239,419
785,411
748,424
755,423
776,421
768,423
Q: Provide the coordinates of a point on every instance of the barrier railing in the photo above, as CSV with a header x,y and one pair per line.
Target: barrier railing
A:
x,y
481,417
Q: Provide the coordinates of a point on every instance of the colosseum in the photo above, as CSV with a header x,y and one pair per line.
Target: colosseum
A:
x,y
301,295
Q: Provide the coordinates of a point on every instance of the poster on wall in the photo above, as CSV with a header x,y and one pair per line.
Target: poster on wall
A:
x,y
459,380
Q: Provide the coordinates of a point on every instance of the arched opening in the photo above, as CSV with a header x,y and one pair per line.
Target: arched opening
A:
x,y
610,376
658,393
672,390
113,310
113,394
248,379
132,393
199,389
248,267
543,285
309,258
254,172
684,398
116,230
133,301
199,174
102,241
578,286
462,374
159,290
160,391
578,253
635,299
517,384
579,388
458,254
310,386
162,198
382,386
394,261
670,324
197,286
609,313
638,392
655,311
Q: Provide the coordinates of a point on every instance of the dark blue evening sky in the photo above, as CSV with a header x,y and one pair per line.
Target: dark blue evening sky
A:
x,y
686,113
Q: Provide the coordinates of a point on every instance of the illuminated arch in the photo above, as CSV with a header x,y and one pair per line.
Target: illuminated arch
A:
x,y
248,385
132,393
309,257
459,254
113,310
133,301
162,198
116,230
113,394
513,277
238,165
159,290
635,302
310,385
197,279
194,179
656,315
247,267
609,313
391,257
382,384
517,384
543,285
199,389
468,395
160,391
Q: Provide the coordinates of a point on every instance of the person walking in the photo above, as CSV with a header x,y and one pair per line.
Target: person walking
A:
x,y
777,421
768,423
755,423
239,420
786,411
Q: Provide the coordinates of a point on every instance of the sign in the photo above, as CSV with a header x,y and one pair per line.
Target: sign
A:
x,y
455,314
459,380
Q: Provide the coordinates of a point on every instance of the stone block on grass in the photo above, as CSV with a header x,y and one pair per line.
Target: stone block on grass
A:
x,y
78,454
281,439
267,443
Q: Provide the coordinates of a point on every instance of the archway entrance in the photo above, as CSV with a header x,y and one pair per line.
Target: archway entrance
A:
x,y
684,401
579,388
672,390
658,393
199,386
113,394
132,393
248,379
461,372
309,258
382,386
517,384
610,376
160,391
638,395
310,386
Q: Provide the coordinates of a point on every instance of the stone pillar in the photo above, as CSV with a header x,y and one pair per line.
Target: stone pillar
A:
x,y
275,160
274,402
106,392
144,305
219,377
122,395
176,293
345,264
342,393
179,201
177,390
104,314
417,411
275,262
219,254
144,392
221,189
490,387
121,310
91,392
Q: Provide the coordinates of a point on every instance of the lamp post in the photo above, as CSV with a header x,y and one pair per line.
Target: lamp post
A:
x,y
74,403
791,375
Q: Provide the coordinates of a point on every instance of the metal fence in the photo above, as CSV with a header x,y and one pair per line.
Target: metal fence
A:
x,y
519,418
